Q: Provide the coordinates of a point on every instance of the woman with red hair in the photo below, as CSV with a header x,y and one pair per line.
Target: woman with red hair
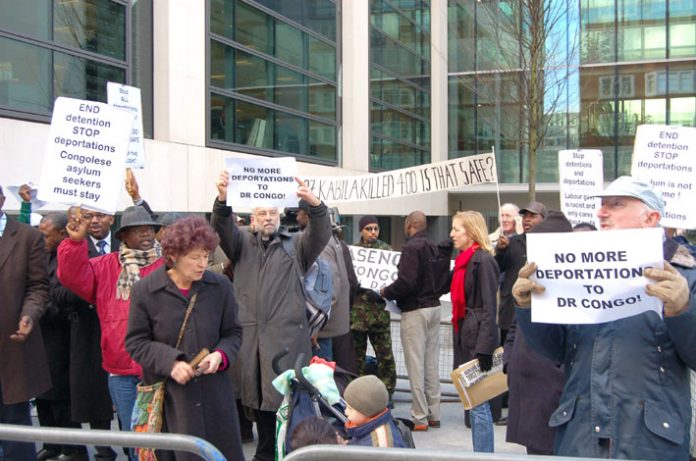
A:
x,y
199,400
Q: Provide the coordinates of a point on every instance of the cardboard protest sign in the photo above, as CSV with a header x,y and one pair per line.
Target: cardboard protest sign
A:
x,y
86,154
128,98
434,177
594,277
580,174
266,182
665,157
376,269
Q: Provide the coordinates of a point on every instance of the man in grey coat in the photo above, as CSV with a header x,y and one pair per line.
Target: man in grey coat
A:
x,y
272,307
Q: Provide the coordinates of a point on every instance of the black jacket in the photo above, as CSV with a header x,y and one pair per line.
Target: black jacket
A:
x,y
413,287
510,261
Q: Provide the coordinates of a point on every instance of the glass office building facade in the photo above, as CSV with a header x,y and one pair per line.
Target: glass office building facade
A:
x,y
72,48
273,78
626,63
399,83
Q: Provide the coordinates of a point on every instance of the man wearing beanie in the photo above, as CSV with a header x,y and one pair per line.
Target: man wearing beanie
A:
x,y
370,422
626,392
369,319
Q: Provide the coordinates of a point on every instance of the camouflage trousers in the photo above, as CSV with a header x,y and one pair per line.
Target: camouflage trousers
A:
x,y
382,344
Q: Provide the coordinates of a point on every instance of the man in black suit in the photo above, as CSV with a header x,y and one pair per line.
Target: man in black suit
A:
x,y
89,389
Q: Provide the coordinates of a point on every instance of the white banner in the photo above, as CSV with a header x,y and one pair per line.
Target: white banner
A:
x,y
434,177
665,157
594,277
85,159
264,182
128,98
580,174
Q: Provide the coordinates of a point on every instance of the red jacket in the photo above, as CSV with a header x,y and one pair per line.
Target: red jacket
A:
x,y
94,280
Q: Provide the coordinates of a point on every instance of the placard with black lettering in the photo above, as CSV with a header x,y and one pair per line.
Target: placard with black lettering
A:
x,y
594,277
265,182
85,159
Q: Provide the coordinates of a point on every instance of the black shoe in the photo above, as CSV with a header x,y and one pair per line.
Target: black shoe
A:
x,y
247,436
501,421
104,454
75,456
45,454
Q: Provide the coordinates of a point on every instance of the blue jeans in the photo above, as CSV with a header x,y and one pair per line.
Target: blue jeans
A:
x,y
482,428
123,390
16,413
325,350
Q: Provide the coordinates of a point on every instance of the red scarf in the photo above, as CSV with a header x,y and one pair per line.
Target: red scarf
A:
x,y
457,289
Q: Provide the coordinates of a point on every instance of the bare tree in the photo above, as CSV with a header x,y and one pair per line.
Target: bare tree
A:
x,y
532,45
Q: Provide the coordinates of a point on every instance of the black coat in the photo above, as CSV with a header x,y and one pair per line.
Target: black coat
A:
x,y
89,385
535,384
55,329
413,288
510,261
478,331
205,406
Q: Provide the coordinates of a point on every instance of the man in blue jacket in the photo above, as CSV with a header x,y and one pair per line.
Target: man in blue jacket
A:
x,y
626,392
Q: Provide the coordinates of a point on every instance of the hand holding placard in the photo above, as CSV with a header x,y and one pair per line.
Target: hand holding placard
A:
x,y
305,193
524,286
222,182
671,287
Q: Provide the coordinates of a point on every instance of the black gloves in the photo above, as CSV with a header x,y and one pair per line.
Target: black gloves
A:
x,y
485,361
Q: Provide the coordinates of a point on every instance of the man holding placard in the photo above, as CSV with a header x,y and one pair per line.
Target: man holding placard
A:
x,y
626,392
271,304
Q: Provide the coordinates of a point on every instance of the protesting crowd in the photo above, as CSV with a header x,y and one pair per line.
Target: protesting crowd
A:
x,y
216,317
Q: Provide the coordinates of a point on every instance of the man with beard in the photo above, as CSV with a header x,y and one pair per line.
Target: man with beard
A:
x,y
272,307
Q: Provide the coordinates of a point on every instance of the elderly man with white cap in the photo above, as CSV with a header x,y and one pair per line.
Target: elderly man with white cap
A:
x,y
626,392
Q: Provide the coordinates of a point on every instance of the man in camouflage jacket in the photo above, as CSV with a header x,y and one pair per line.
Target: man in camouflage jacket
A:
x,y
369,319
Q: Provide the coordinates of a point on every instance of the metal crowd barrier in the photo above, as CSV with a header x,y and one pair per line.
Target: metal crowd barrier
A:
x,y
175,442
355,453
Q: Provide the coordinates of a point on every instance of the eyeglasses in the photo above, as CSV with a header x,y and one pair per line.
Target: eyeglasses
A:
x,y
90,216
371,228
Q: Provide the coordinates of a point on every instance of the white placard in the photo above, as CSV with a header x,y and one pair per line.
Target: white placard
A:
x,y
665,157
594,277
128,98
264,182
376,269
580,174
85,159
423,179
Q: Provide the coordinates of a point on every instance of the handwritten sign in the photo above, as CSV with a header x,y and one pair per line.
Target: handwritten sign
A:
x,y
265,182
594,277
434,177
665,157
86,154
128,98
580,173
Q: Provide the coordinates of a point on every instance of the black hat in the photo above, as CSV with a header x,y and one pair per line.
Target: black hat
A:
x,y
134,216
170,218
535,208
303,205
365,220
555,221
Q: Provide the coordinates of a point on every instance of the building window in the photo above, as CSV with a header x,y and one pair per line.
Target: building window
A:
x,y
273,78
399,83
72,48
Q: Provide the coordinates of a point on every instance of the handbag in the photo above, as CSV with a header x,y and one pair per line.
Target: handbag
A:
x,y
148,411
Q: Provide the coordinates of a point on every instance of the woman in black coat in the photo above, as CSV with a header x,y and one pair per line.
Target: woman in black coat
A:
x,y
474,304
199,401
